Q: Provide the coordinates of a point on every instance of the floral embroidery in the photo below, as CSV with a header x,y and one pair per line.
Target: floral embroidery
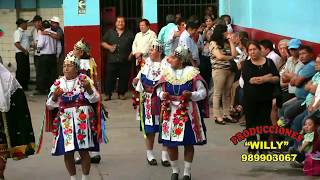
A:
x,y
67,127
148,105
180,116
81,134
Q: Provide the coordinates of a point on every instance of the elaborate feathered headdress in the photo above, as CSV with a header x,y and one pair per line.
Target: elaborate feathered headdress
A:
x,y
82,45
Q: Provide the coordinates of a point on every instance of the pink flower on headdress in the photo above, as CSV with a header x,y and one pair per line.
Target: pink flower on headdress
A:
x,y
56,83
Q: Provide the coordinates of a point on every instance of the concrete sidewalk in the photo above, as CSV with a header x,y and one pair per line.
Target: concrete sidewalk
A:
x,y
124,157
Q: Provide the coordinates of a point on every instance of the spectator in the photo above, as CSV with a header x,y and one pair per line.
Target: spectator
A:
x,y
227,19
49,49
22,45
293,107
268,51
59,36
205,64
181,24
37,22
165,34
178,18
118,43
292,66
187,40
259,75
209,12
222,75
283,50
142,42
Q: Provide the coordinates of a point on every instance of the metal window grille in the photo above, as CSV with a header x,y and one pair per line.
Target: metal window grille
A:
x,y
186,8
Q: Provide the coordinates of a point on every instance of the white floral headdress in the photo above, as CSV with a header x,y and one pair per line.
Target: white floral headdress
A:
x,y
157,45
70,58
183,53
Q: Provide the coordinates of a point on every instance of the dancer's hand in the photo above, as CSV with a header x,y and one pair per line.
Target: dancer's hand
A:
x,y
57,93
165,95
186,95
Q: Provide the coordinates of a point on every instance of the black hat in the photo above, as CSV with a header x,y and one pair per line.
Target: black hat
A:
x,y
37,18
20,21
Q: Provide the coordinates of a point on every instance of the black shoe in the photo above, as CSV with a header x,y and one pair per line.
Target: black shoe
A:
x,y
174,176
78,160
165,163
96,159
153,162
186,177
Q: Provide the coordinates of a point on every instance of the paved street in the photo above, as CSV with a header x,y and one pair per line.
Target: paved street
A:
x,y
124,157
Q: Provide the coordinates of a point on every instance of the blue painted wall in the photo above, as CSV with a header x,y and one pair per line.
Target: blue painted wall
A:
x,y
72,18
294,18
150,10
30,4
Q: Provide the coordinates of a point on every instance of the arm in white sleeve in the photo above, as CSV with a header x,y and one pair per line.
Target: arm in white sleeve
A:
x,y
200,93
139,86
316,96
41,41
59,49
52,104
134,45
160,93
94,97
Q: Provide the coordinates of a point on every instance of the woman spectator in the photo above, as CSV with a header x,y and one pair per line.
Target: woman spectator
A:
x,y
205,64
260,76
284,54
222,75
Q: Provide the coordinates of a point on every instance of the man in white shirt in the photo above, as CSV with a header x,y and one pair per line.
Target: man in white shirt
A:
x,y
49,49
143,41
37,23
22,45
186,39
268,52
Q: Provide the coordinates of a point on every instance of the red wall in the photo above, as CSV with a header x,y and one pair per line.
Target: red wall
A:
x,y
259,35
91,34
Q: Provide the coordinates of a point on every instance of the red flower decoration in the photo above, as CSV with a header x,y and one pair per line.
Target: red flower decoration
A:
x,y
178,131
55,121
83,126
80,137
175,121
82,116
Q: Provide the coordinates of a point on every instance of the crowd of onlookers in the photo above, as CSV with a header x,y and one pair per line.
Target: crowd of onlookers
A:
x,y
47,45
252,82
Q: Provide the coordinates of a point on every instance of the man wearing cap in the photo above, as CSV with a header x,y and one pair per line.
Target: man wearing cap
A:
x,y
22,45
37,22
59,36
292,66
49,49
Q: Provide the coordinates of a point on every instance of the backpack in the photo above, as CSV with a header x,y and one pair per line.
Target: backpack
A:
x,y
311,166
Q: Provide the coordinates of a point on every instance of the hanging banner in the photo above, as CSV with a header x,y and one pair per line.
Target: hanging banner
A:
x,y
82,7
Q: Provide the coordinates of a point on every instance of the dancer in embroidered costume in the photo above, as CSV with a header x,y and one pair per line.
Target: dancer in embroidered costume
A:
x,y
149,104
16,133
181,89
75,127
88,67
